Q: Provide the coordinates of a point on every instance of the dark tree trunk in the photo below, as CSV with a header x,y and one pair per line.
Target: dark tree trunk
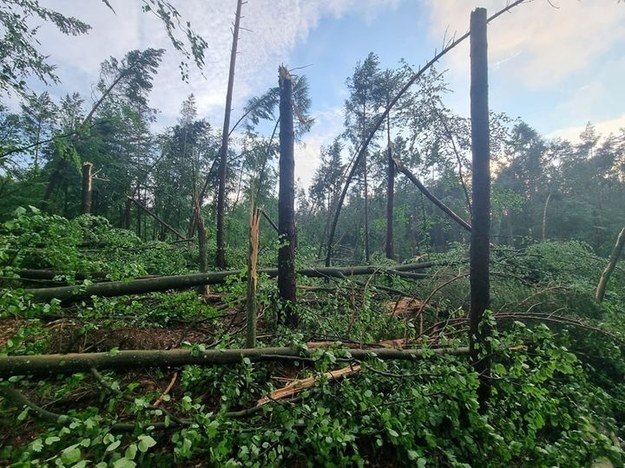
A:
x,y
286,202
86,187
223,156
480,222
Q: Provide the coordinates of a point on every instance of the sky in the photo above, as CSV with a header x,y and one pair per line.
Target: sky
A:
x,y
556,64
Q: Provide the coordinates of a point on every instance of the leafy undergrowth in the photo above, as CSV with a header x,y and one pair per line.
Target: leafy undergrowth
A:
x,y
555,392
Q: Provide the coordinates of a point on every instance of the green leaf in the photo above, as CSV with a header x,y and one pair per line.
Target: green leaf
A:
x,y
71,455
145,442
131,452
52,439
124,463
113,446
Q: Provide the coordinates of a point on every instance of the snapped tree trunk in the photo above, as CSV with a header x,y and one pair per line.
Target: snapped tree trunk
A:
x,y
223,156
87,187
252,278
614,256
286,202
480,222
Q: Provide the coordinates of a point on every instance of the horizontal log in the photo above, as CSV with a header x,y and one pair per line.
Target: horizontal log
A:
x,y
54,364
68,294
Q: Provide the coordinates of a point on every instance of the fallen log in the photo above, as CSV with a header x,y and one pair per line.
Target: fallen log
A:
x,y
54,364
68,294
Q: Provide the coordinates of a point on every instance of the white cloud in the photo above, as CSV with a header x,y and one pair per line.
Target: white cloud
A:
x,y
328,125
538,45
603,128
272,28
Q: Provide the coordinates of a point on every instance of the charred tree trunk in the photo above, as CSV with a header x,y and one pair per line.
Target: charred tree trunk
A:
x,y
223,156
87,187
480,222
286,202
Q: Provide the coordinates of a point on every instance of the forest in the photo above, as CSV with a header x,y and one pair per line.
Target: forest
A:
x,y
446,292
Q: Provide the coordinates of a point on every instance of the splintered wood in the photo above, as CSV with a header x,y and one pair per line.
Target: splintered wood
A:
x,y
403,307
297,386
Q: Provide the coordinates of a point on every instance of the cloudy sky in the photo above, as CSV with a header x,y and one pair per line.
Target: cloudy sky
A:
x,y
557,64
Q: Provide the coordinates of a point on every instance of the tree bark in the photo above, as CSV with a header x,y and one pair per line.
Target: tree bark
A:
x,y
164,283
480,222
223,157
86,187
55,364
404,170
286,202
605,276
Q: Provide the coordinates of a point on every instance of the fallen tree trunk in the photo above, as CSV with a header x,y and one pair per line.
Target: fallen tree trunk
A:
x,y
404,170
164,283
54,364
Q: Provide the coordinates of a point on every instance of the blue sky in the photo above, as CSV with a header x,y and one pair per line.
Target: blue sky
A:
x,y
557,64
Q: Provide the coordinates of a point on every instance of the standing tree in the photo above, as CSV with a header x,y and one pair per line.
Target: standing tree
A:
x,y
286,201
223,155
480,220
361,111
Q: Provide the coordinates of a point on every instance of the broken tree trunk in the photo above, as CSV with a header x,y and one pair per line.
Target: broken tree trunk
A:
x,y
614,256
87,187
286,202
164,283
252,277
404,170
480,222
223,156
54,364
